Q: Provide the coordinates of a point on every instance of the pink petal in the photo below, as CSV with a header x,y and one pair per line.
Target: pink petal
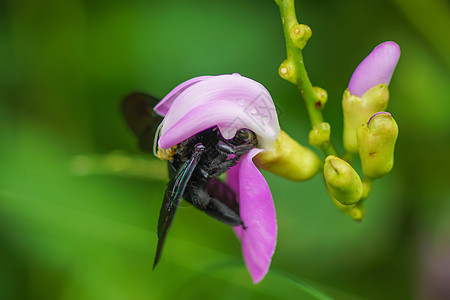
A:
x,y
378,113
376,68
228,116
258,214
230,102
164,105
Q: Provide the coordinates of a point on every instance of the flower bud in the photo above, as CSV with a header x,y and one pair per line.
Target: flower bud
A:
x,y
376,141
357,110
289,159
375,69
321,96
300,34
342,180
367,90
319,136
287,71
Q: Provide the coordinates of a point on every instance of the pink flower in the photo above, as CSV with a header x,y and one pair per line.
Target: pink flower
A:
x,y
258,213
231,102
376,68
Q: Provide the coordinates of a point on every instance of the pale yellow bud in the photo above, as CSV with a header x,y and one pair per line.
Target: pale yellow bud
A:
x,y
357,110
342,180
289,159
376,141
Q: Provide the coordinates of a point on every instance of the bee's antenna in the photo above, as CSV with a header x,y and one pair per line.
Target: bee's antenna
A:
x,y
156,138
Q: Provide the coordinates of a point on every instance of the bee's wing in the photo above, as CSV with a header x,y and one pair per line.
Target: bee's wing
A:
x,y
172,197
138,111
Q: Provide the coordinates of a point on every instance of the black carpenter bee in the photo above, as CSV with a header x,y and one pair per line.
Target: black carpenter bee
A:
x,y
193,164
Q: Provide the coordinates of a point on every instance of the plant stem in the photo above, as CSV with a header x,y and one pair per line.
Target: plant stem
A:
x,y
293,68
348,156
367,186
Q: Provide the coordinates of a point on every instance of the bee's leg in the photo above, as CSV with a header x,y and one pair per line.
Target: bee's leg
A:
x,y
222,192
226,158
223,213
241,150
200,198
224,153
230,152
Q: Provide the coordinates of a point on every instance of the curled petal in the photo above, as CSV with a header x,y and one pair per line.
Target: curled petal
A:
x,y
258,214
164,105
226,101
378,113
376,68
228,116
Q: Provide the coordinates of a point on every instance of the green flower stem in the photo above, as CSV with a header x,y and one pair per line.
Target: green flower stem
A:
x,y
329,149
348,156
121,164
293,68
367,186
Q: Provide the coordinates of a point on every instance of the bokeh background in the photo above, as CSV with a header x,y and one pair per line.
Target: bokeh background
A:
x,y
79,202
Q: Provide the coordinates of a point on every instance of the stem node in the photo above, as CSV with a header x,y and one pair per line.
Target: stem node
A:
x,y
300,34
287,71
293,68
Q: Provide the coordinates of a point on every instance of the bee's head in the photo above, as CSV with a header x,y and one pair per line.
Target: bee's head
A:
x,y
244,136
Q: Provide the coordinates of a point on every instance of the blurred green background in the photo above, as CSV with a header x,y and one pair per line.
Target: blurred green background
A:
x,y
79,202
